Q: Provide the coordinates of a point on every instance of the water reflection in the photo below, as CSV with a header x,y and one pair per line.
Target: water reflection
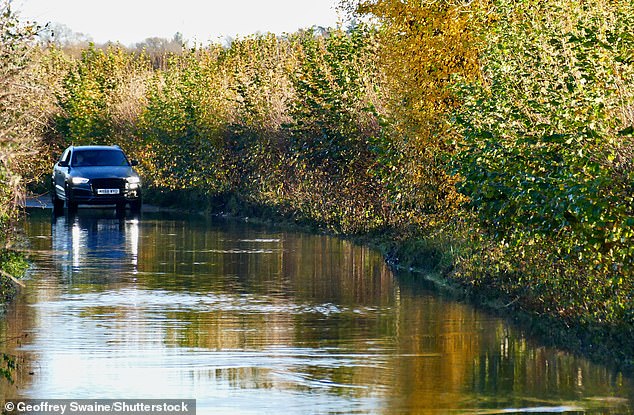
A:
x,y
92,237
249,320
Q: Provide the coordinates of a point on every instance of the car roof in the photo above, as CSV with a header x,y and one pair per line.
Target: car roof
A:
x,y
95,148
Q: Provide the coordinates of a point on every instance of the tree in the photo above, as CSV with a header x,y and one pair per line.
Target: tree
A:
x,y
158,49
423,45
547,154
19,113
60,35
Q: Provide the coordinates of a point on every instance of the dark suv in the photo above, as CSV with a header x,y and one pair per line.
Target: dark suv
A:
x,y
95,175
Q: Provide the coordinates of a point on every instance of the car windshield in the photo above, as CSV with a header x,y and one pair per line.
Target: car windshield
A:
x,y
99,158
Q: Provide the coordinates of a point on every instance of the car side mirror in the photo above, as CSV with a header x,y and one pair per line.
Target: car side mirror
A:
x,y
134,163
63,164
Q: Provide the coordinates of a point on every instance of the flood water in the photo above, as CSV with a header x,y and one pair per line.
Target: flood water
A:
x,y
249,320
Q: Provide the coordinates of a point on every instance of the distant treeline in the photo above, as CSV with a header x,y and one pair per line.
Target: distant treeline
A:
x,y
489,140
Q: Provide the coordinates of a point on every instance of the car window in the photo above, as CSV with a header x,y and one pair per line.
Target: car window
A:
x,y
99,158
65,155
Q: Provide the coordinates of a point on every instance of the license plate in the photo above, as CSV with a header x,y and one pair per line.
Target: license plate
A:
x,y
107,191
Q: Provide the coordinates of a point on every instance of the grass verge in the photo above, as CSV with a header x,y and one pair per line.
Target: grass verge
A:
x,y
13,265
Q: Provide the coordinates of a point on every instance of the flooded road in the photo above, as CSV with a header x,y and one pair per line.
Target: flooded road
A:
x,y
249,320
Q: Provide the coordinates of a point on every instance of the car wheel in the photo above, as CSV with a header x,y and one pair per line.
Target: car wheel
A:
x,y
70,204
58,204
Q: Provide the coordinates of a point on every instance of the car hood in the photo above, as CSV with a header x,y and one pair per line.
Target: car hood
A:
x,y
104,172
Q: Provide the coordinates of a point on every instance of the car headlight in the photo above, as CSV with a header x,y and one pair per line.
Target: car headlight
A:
x,y
133,182
79,180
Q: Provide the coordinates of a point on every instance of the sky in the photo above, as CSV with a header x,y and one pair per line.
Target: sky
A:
x,y
200,21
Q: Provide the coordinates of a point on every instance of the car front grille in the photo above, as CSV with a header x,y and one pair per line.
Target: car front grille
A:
x,y
108,184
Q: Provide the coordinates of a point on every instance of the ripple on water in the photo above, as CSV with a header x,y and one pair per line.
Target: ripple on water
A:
x,y
163,301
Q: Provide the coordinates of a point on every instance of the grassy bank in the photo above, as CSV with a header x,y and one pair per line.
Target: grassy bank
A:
x,y
13,266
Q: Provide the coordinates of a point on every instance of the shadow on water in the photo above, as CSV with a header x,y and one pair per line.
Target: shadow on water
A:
x,y
248,320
